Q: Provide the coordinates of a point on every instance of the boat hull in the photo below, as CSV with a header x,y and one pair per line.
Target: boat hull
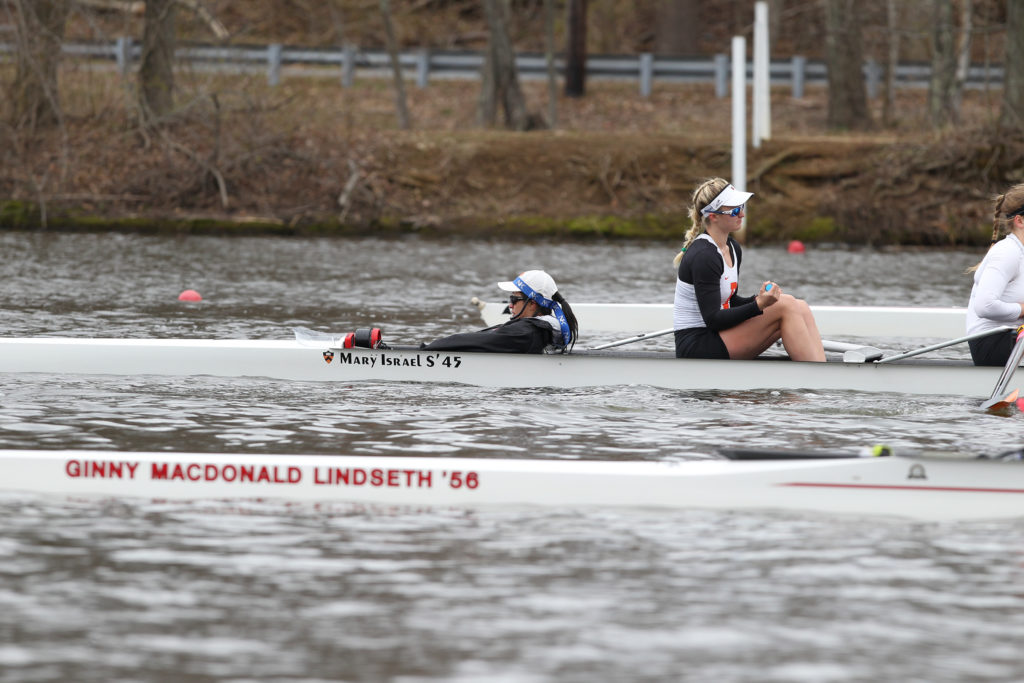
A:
x,y
934,489
289,360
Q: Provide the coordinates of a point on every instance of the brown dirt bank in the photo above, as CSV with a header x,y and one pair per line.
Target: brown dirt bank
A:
x,y
308,160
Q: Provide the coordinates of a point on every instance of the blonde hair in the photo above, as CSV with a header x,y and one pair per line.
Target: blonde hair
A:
x,y
1009,203
703,195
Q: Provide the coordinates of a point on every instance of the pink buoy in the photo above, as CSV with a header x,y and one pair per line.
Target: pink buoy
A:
x,y
189,295
795,247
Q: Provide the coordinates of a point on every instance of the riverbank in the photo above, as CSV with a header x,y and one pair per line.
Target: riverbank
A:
x,y
310,158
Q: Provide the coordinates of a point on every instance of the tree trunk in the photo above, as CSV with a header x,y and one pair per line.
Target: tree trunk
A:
x,y
940,86
677,27
963,54
892,60
549,59
501,79
576,49
1013,83
35,100
156,70
847,92
404,120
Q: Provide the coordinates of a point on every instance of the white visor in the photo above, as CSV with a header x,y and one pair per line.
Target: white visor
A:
x,y
730,196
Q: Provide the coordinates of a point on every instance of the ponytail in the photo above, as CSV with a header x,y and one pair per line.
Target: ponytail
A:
x,y
703,195
570,318
1001,219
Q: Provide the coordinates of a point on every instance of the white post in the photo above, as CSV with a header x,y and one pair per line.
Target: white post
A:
x,y
739,116
762,127
646,73
422,68
799,67
348,66
123,55
274,64
739,112
721,75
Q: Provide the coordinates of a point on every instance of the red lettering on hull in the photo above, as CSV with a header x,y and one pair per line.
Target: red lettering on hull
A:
x,y
377,478
100,469
243,474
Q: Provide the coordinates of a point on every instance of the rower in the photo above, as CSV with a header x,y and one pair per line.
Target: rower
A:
x,y
541,320
711,319
997,296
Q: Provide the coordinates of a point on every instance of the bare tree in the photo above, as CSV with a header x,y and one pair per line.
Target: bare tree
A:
x,y
500,77
35,100
847,92
404,120
137,6
1013,80
156,71
677,27
950,58
576,49
549,59
892,60
963,48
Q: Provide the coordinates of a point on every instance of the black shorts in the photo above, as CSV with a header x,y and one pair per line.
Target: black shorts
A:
x,y
700,342
991,350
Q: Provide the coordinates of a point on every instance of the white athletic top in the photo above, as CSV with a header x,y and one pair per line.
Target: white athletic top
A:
x,y
686,312
998,287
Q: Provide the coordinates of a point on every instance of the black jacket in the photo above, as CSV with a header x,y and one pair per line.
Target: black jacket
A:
x,y
526,335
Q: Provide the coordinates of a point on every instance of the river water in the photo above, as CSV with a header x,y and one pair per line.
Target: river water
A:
x,y
212,591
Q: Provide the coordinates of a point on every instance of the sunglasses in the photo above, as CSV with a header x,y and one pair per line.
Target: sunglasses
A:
x,y
736,211
514,299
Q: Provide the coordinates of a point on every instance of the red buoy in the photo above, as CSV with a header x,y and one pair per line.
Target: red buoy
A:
x,y
795,247
189,295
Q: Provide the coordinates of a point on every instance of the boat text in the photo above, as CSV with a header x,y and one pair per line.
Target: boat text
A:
x,y
375,477
420,360
102,469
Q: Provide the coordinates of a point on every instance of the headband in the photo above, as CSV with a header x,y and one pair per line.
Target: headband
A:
x,y
556,308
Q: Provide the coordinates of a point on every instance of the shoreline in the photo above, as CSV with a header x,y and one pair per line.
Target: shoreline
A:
x,y
319,160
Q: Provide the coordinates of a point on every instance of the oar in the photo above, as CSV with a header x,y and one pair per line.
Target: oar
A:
x,y
636,338
999,398
852,353
942,345
644,335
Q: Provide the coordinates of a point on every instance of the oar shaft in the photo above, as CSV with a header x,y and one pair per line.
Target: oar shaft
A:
x,y
942,345
1011,365
630,340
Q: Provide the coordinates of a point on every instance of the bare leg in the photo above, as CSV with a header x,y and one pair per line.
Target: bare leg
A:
x,y
789,319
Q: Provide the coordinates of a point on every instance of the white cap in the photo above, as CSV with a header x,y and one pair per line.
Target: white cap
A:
x,y
537,280
730,196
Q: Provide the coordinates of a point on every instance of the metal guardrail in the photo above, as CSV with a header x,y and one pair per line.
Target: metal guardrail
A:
x,y
796,72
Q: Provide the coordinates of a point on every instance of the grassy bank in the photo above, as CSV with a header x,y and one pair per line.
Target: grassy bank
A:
x,y
310,157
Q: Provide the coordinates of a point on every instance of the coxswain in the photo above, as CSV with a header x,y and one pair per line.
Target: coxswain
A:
x,y
541,320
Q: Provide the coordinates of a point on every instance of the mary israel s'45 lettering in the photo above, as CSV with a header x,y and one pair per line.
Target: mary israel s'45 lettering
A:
x,y
419,360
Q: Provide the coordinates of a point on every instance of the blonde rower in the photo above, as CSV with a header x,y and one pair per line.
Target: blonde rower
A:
x,y
711,319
